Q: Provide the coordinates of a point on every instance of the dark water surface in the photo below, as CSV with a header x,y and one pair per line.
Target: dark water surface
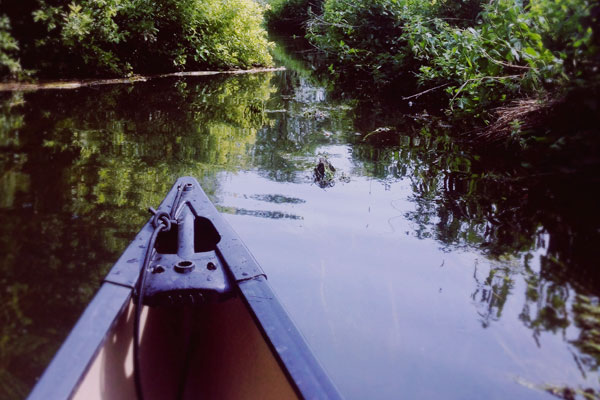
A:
x,y
419,271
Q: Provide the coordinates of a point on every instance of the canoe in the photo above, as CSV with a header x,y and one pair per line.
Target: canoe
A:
x,y
186,312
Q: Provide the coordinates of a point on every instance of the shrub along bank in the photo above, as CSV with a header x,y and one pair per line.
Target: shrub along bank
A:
x,y
84,38
480,54
291,16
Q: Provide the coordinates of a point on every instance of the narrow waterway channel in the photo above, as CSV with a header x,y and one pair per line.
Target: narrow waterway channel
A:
x,y
412,270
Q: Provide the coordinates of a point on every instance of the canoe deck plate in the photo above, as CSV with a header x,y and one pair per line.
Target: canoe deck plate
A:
x,y
186,268
196,261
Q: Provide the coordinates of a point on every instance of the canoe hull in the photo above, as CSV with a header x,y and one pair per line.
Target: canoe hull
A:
x,y
238,342
185,360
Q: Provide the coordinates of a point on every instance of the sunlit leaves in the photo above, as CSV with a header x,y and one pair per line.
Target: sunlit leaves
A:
x,y
483,55
120,37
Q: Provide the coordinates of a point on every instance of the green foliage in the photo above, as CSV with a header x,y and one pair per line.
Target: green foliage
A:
x,y
9,47
229,34
291,15
482,54
461,13
364,36
121,37
506,56
86,29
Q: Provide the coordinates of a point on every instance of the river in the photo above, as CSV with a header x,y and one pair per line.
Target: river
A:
x,y
420,270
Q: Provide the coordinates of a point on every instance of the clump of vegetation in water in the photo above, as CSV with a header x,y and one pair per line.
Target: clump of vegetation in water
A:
x,y
120,37
324,174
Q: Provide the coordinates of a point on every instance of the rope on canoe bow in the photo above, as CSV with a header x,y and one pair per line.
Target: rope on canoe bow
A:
x,y
161,221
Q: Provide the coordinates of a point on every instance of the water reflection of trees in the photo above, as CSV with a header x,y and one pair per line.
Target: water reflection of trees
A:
x,y
303,118
538,226
77,170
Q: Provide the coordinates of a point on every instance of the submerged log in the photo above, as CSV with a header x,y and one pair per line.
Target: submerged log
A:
x,y
66,84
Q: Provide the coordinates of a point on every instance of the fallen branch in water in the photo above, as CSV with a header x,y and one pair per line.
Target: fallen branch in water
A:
x,y
491,78
424,91
19,86
521,115
383,129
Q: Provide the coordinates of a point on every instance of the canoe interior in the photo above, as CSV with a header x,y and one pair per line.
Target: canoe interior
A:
x,y
212,351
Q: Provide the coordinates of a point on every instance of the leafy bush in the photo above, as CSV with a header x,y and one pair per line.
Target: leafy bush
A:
x,y
82,35
364,35
291,15
231,33
9,65
462,13
120,37
484,55
513,52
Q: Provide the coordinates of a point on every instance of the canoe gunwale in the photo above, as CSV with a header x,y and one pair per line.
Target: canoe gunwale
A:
x,y
305,373
291,351
70,364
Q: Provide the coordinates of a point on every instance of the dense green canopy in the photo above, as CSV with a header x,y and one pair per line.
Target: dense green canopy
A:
x,y
480,53
119,37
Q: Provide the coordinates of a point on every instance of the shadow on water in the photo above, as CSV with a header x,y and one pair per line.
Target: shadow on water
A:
x,y
259,213
78,168
278,199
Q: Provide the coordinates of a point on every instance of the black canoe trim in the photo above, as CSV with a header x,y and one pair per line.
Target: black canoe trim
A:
x,y
300,365
70,364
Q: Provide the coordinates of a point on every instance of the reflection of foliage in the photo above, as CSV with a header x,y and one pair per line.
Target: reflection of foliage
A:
x,y
466,198
78,170
492,293
14,321
545,308
285,53
10,119
512,210
305,120
587,318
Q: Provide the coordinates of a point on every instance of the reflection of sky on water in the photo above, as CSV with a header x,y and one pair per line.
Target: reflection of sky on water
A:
x,y
389,315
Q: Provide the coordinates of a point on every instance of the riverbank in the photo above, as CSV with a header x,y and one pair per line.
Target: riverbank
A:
x,y
90,39
28,87
497,64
